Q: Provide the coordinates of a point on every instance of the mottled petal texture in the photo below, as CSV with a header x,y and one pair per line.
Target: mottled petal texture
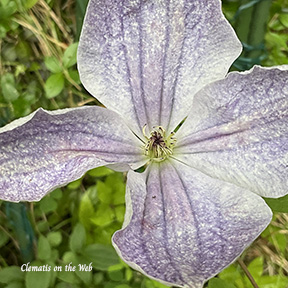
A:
x,y
237,131
49,149
182,227
147,59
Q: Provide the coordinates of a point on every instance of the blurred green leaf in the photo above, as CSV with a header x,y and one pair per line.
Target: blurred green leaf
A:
x,y
278,204
66,285
54,238
276,40
104,192
128,274
48,204
12,273
104,234
98,278
80,12
42,225
53,64
54,85
23,51
57,193
116,275
8,87
84,275
44,249
112,191
68,257
78,238
68,276
86,211
274,281
120,213
15,285
116,267
54,257
7,8
34,278
219,283
75,184
9,53
148,283
100,172
232,275
119,195
280,241
109,285
116,272
70,55
102,256
29,94
284,19
30,3
256,267
74,74
116,182
104,215
3,31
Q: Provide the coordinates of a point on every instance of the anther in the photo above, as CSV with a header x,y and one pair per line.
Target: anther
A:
x,y
158,147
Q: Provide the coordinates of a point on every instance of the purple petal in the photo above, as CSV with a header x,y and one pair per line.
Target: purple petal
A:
x,y
182,227
46,150
238,131
144,59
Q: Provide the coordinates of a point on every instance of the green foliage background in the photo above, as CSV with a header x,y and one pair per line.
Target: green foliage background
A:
x,y
74,224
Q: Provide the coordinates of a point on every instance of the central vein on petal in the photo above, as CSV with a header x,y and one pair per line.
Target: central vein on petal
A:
x,y
158,146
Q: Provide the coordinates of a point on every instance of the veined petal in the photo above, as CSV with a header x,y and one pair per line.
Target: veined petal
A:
x,y
146,59
182,227
46,150
237,131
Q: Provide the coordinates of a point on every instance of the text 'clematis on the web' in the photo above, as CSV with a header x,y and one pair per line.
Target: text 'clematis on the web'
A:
x,y
212,143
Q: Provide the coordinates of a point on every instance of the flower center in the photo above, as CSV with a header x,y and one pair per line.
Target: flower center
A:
x,y
158,147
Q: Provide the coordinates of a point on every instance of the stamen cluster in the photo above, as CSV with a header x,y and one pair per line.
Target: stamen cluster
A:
x,y
158,147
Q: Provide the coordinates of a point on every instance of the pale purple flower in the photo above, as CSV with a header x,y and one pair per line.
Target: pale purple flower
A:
x,y
153,63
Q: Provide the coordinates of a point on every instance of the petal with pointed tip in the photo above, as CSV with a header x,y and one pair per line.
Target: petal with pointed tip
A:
x,y
147,59
46,150
182,227
237,131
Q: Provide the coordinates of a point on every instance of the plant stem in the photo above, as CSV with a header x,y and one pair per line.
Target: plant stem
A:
x,y
251,25
246,271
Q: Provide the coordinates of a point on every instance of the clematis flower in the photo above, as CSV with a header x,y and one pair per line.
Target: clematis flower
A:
x,y
212,143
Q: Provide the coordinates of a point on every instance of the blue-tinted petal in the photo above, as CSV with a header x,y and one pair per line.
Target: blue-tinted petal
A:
x,y
49,149
237,131
147,59
182,227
